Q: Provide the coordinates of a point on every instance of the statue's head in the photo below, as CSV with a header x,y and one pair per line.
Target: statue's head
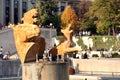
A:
x,y
27,30
30,17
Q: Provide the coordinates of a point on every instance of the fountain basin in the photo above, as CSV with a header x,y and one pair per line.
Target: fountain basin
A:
x,y
45,71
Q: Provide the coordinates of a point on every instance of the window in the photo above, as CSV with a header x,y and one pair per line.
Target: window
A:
x,y
7,11
24,7
15,11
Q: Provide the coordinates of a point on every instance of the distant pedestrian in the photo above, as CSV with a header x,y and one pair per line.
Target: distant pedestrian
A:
x,y
85,56
9,25
101,51
1,26
74,54
1,48
1,54
110,52
6,56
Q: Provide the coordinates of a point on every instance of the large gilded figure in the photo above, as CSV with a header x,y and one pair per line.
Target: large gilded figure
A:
x,y
27,37
69,20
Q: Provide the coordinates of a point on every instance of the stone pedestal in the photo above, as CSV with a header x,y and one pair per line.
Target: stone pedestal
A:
x,y
45,71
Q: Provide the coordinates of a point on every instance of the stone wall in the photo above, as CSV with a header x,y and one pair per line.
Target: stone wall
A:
x,y
10,68
97,66
7,38
48,34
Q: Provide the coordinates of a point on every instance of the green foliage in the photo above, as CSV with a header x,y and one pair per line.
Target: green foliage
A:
x,y
98,42
115,55
48,13
59,37
107,14
102,27
83,8
80,42
85,23
95,55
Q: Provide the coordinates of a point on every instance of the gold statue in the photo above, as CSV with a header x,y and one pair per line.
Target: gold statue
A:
x,y
27,37
69,21
65,45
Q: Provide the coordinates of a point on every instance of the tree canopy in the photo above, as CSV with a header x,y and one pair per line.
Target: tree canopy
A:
x,y
48,12
84,22
107,13
83,8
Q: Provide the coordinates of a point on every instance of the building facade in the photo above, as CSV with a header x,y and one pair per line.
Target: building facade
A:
x,y
62,4
12,10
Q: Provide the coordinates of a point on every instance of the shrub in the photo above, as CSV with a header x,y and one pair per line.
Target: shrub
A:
x,y
115,55
95,55
98,42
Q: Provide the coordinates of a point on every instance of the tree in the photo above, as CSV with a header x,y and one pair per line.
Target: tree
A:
x,y
107,13
47,10
69,17
83,8
85,23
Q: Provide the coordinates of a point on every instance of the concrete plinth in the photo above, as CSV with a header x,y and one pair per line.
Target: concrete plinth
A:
x,y
45,71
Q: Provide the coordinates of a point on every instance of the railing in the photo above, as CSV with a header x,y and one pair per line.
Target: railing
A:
x,y
11,78
112,74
